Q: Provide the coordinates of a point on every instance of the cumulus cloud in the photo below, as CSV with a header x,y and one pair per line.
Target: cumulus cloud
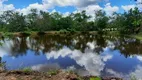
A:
x,y
139,4
48,4
76,3
5,7
66,14
92,62
37,6
90,9
89,5
116,74
139,1
45,67
139,58
5,49
110,9
128,7
136,73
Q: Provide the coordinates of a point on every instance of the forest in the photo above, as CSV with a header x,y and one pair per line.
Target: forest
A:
x,y
129,22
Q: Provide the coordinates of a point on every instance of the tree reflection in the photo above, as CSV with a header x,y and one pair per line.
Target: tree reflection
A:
x,y
19,46
2,65
129,46
47,43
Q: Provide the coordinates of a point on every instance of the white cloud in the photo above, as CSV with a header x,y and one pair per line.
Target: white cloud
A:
x,y
76,3
139,4
53,3
5,7
91,9
89,5
66,14
128,7
92,62
136,73
139,1
110,9
48,4
45,67
5,49
37,6
116,74
139,58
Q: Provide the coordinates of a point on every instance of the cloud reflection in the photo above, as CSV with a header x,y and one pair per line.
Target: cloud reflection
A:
x,y
136,73
92,62
5,49
45,67
139,58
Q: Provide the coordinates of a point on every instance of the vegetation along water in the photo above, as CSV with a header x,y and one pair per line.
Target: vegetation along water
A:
x,y
43,45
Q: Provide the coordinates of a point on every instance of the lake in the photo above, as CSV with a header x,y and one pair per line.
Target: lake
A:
x,y
86,54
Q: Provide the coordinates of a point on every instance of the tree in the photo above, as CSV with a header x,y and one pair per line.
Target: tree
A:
x,y
133,20
81,21
101,20
32,19
55,20
15,21
44,21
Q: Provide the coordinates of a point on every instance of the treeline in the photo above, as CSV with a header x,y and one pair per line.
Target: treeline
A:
x,y
128,22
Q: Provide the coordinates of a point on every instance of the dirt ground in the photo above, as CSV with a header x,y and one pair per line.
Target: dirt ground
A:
x,y
20,75
61,75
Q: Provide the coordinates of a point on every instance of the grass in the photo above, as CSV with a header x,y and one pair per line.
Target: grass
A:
x,y
138,36
133,77
96,78
52,72
70,71
6,34
27,70
2,64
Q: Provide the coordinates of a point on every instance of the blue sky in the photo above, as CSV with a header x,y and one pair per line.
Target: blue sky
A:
x,y
22,3
67,6
25,3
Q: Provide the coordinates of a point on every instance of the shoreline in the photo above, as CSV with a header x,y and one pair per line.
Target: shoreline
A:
x,y
138,36
4,34
59,75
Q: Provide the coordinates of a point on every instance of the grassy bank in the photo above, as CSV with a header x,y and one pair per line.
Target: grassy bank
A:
x,y
7,34
51,75
56,32
138,36
35,33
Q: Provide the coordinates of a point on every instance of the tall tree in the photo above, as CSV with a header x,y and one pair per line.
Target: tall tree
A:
x,y
101,20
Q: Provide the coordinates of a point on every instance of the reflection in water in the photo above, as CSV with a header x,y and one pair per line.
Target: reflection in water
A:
x,y
92,62
136,73
45,67
99,55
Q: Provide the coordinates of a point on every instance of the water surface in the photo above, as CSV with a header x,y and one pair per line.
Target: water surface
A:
x,y
86,54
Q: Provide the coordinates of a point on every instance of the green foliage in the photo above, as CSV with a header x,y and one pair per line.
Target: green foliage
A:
x,y
27,70
95,78
129,22
101,20
133,77
52,72
2,64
